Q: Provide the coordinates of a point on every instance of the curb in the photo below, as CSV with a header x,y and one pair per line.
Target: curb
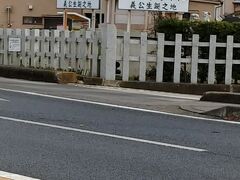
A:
x,y
182,88
223,97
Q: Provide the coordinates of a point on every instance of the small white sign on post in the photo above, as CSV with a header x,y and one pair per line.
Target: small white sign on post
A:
x,y
78,4
14,44
155,5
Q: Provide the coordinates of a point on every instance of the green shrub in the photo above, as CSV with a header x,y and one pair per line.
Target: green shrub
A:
x,y
28,74
171,27
187,28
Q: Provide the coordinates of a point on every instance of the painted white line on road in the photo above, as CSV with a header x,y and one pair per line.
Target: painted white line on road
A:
x,y
12,176
1,99
121,107
103,134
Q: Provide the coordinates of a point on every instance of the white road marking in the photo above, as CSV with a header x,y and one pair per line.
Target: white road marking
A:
x,y
121,107
12,176
1,99
103,134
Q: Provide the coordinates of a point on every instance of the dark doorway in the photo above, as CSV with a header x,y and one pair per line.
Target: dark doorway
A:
x,y
89,15
53,22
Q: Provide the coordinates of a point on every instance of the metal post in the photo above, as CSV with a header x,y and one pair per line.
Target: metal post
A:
x,y
113,12
146,21
100,14
108,11
65,26
93,19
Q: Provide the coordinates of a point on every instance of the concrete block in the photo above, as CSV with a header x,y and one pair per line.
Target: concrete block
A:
x,y
93,81
66,77
224,97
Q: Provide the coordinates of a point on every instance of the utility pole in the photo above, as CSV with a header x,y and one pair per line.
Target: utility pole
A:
x,y
93,19
65,25
113,11
129,19
108,11
146,21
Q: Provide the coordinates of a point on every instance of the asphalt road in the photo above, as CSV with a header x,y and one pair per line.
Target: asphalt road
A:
x,y
56,138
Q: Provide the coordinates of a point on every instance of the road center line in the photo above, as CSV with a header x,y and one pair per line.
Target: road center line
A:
x,y
121,107
11,176
103,134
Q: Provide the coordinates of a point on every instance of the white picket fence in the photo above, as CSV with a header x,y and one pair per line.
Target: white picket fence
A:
x,y
95,53
144,51
55,49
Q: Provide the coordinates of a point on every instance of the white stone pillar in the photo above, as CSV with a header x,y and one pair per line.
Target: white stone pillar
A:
x,y
108,51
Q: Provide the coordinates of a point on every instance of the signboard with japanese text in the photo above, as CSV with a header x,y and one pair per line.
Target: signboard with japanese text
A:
x,y
14,44
78,4
155,5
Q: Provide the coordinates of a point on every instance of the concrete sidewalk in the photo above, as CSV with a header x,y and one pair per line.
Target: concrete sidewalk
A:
x,y
192,103
215,96
203,107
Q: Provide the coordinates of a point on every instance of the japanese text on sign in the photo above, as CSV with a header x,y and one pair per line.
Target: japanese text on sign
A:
x,y
78,4
14,44
155,5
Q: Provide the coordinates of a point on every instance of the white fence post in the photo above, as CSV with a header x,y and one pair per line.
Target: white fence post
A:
x,y
72,50
55,49
23,49
26,51
1,46
89,52
126,49
160,57
35,33
5,36
212,56
63,50
95,49
15,57
67,52
229,60
82,51
44,50
143,57
7,56
177,59
76,58
10,33
194,63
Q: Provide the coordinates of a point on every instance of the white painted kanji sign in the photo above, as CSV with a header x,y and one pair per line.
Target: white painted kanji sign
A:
x,y
78,4
14,44
155,5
